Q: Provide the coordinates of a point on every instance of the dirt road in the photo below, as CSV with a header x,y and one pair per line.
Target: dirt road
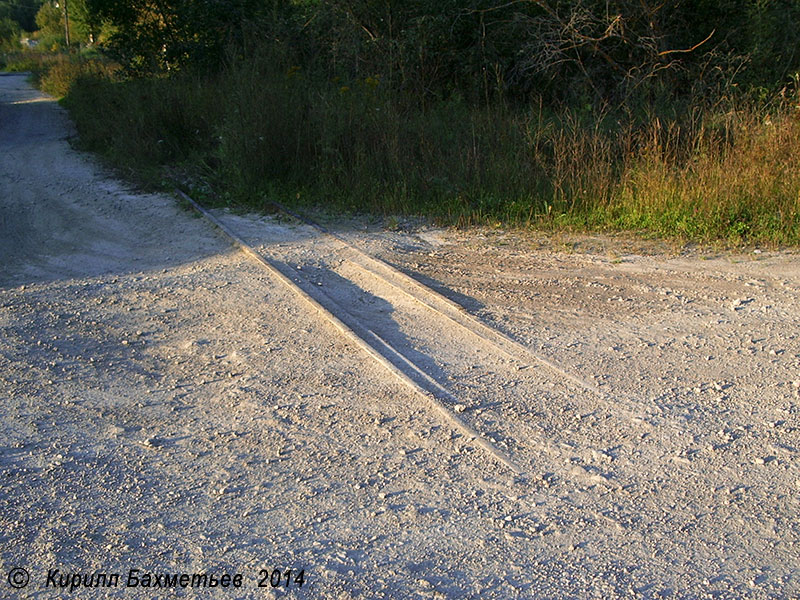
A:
x,y
169,408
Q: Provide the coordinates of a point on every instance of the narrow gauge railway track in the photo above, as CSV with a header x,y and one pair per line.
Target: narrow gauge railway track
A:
x,y
504,398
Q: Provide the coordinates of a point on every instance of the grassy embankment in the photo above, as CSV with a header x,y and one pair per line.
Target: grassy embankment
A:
x,y
259,132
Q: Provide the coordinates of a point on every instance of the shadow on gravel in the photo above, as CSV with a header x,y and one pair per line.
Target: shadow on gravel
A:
x,y
64,217
468,302
362,310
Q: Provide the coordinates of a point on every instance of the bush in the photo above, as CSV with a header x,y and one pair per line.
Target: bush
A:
x,y
141,124
9,35
60,75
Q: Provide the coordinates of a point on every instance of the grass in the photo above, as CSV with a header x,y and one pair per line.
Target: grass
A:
x,y
259,132
55,73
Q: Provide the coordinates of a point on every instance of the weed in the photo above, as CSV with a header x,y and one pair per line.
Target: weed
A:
x,y
391,223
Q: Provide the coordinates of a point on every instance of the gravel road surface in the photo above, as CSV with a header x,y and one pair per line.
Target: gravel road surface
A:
x,y
173,417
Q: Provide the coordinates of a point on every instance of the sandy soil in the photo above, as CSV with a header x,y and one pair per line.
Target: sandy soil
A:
x,y
169,407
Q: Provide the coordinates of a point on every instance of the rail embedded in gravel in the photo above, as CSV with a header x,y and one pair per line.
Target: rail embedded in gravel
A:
x,y
360,335
505,398
457,314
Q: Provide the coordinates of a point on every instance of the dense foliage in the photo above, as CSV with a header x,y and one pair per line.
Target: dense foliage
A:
x,y
575,51
567,50
47,22
21,12
9,35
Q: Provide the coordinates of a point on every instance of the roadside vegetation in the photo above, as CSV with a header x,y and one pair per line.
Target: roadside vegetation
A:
x,y
679,120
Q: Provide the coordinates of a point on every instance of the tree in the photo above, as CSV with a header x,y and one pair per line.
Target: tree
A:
x,y
22,12
163,35
578,51
85,26
9,35
50,24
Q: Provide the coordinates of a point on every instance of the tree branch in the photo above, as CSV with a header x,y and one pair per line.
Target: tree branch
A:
x,y
692,49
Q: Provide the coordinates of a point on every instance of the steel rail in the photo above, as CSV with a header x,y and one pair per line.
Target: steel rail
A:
x,y
358,335
457,314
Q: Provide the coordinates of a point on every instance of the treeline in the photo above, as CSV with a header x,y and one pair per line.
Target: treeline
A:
x,y
46,23
562,50
677,117
566,51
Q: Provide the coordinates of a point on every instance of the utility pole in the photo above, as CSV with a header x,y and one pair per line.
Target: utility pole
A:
x,y
66,23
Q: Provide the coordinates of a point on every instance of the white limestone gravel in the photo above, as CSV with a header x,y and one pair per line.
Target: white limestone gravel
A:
x,y
168,407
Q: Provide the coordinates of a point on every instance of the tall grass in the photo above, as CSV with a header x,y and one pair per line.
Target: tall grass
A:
x,y
730,176
142,124
267,130
55,73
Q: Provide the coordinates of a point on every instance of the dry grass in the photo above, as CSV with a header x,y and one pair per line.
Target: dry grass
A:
x,y
732,177
56,73
262,131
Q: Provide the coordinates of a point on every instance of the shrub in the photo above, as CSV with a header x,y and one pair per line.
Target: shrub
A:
x,y
60,75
